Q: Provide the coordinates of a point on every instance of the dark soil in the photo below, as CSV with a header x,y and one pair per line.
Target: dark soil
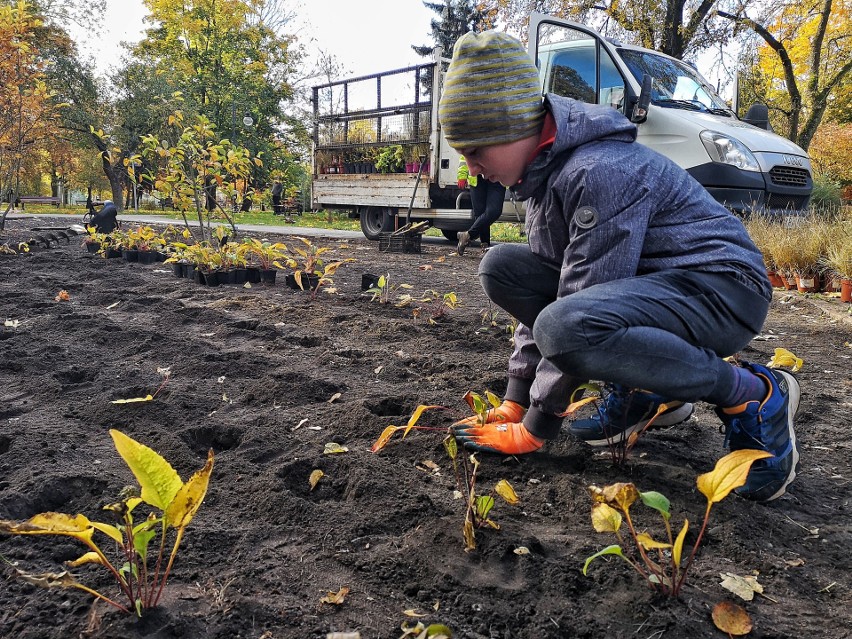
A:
x,y
266,377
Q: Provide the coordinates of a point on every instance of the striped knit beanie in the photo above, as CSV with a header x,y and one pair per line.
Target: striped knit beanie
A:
x,y
491,92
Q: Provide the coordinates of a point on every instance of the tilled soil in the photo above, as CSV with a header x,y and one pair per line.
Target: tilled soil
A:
x,y
267,376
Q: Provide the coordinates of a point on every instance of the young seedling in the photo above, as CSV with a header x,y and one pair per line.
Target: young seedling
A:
x,y
477,506
314,268
140,574
659,562
382,290
388,432
432,305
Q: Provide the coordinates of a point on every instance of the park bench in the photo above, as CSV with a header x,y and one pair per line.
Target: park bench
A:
x,y
38,199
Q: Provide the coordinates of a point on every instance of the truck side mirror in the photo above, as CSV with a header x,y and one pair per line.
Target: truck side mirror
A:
x,y
640,109
758,115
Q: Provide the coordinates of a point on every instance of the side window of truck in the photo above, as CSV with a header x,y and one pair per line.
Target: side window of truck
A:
x,y
572,66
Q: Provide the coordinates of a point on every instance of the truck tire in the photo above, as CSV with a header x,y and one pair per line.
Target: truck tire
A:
x,y
376,220
452,236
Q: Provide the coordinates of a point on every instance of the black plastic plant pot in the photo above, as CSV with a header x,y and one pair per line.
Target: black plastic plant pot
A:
x,y
93,247
112,253
253,275
368,281
130,255
179,269
308,281
267,275
239,276
146,257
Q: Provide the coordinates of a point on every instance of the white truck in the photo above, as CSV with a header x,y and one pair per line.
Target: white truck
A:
x,y
394,114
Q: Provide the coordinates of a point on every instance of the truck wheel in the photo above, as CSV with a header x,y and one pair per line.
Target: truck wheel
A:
x,y
452,236
376,220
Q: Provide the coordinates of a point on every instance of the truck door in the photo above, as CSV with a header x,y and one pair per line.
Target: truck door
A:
x,y
573,63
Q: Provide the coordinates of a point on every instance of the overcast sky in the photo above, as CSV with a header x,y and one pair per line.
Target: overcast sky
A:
x,y
366,37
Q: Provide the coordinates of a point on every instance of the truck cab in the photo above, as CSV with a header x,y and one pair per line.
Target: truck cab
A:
x,y
747,168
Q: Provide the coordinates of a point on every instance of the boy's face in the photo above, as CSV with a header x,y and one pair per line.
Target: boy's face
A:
x,y
503,163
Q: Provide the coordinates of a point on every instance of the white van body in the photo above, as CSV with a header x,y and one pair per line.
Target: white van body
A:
x,y
748,169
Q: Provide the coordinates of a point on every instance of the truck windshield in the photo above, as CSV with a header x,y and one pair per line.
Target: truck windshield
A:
x,y
676,85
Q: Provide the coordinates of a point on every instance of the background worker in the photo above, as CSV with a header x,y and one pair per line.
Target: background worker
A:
x,y
486,200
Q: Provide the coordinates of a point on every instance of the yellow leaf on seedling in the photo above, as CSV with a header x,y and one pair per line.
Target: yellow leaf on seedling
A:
x,y
384,438
605,519
134,400
333,448
89,558
313,480
415,417
469,536
188,499
648,543
731,618
492,399
336,598
157,479
505,490
451,446
730,472
621,494
677,551
574,406
783,357
76,526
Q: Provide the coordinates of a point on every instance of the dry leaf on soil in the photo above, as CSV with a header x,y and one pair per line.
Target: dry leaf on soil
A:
x,y
742,587
731,618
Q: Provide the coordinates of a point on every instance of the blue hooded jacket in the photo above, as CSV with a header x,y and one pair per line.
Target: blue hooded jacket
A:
x,y
602,207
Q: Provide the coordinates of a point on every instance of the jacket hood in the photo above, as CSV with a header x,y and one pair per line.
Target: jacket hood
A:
x,y
577,123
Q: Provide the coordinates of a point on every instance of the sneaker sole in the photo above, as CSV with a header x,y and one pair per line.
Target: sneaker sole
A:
x,y
671,417
793,398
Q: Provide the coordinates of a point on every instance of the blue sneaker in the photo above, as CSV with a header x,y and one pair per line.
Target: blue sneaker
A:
x,y
625,412
766,425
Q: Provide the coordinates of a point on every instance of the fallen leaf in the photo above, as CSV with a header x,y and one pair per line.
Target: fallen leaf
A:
x,y
313,480
378,370
221,380
731,618
425,267
795,563
334,398
335,598
63,296
332,448
112,306
783,357
134,400
742,587
521,550
412,612
12,323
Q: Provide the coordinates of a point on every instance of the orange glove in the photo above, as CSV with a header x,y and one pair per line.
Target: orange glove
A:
x,y
508,411
508,438
462,184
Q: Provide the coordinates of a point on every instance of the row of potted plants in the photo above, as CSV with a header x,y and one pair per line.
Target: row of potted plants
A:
x,y
808,254
395,158
222,261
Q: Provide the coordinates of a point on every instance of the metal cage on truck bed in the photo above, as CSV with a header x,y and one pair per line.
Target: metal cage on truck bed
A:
x,y
358,118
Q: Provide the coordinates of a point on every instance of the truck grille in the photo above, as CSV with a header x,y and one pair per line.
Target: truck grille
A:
x,y
788,176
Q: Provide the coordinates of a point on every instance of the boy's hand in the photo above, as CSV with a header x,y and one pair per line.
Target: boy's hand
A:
x,y
508,438
508,411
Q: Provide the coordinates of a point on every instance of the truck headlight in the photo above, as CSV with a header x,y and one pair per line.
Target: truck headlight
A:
x,y
729,150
